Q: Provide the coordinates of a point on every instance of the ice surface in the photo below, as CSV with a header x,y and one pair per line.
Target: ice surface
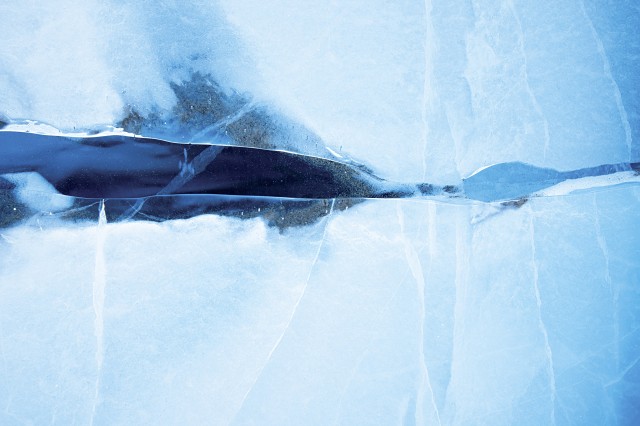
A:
x,y
421,91
389,312
503,81
499,285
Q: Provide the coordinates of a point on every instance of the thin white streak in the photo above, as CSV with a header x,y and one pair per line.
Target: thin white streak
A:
x,y
415,266
607,72
541,325
532,96
99,282
615,291
623,373
602,243
429,48
7,239
218,125
458,351
293,313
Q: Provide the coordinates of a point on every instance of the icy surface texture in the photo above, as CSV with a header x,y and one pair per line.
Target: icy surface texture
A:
x,y
505,291
392,312
447,87
419,90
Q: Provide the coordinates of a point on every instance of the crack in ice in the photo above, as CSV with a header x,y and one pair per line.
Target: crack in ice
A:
x,y
541,325
602,243
415,266
607,72
461,279
293,313
621,375
614,290
225,122
532,96
426,88
187,171
7,239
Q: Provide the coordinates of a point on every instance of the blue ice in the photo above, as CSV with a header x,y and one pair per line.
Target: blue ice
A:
x,y
503,288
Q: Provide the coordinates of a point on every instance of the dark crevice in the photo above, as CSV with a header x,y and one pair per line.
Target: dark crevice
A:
x,y
152,179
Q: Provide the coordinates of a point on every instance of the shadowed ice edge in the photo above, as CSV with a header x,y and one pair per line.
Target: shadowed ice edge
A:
x,y
153,179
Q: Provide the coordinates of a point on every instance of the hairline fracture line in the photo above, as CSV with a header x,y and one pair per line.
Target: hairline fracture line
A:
x,y
190,170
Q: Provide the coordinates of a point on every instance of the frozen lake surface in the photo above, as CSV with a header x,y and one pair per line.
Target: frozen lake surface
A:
x,y
297,212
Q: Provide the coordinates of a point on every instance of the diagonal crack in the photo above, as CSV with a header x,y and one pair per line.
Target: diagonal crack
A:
x,y
293,313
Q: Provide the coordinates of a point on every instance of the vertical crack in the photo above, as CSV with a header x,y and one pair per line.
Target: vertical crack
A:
x,y
614,290
99,281
541,325
458,353
426,89
614,85
532,96
416,270
293,314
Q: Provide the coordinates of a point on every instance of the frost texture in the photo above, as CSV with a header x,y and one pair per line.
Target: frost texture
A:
x,y
521,306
